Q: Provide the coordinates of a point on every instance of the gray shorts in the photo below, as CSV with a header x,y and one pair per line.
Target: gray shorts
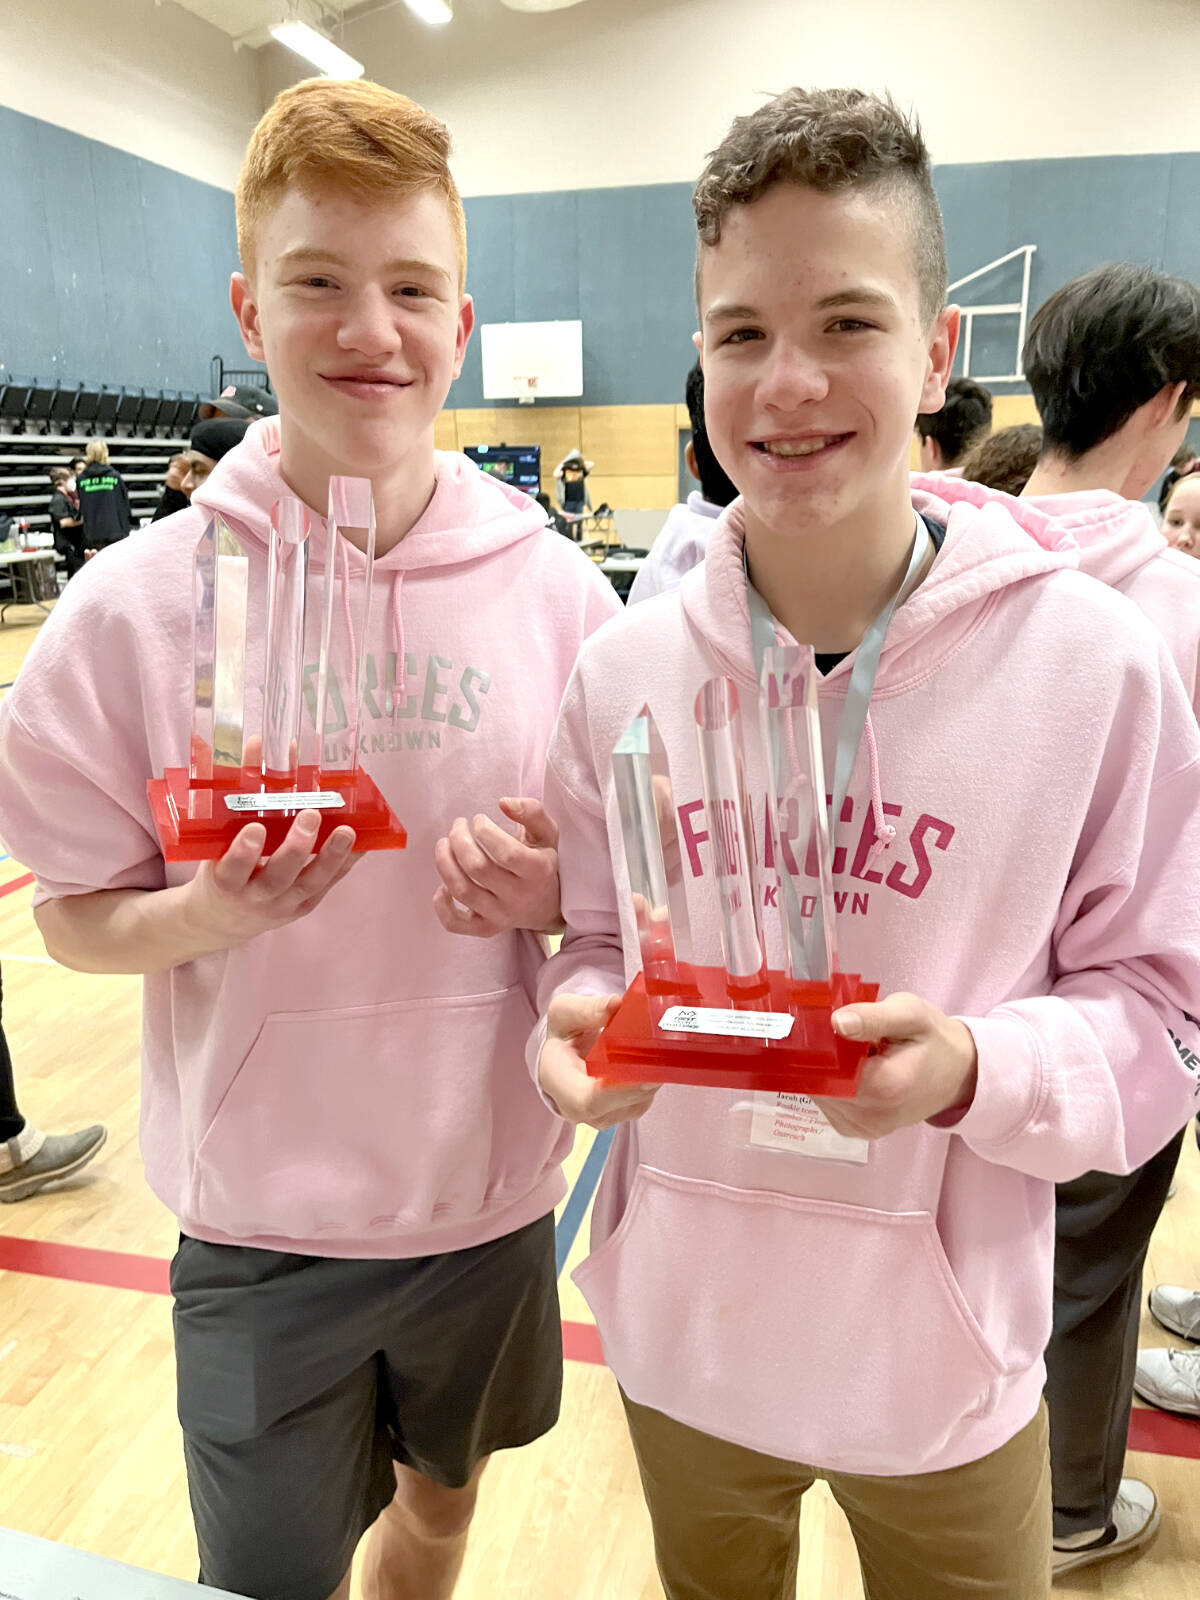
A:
x,y
301,1380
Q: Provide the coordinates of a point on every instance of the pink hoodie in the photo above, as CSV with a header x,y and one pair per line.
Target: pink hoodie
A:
x,y
354,1084
1040,766
1120,544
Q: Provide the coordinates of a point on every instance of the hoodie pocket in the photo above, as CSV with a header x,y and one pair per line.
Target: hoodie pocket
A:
x,y
821,1332
376,1120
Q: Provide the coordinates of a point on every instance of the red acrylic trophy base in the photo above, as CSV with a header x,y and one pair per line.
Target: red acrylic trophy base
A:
x,y
195,824
811,1060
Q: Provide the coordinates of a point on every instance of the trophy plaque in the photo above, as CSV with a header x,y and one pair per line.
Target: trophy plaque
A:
x,y
233,779
740,1025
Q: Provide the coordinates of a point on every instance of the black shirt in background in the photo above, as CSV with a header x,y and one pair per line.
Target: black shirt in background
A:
x,y
173,500
103,505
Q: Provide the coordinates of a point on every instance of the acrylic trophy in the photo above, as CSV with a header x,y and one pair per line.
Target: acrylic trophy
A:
x,y
233,779
739,1025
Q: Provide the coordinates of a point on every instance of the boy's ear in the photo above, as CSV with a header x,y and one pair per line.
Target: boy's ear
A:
x,y
943,342
245,309
1163,410
466,323
698,341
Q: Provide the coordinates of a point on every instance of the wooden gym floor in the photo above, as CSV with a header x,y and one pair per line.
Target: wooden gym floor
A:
x,y
89,1444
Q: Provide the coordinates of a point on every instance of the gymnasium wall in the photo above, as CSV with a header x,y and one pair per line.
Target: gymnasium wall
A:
x,y
116,270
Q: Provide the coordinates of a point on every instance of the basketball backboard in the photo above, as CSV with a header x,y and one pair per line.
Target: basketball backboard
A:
x,y
515,352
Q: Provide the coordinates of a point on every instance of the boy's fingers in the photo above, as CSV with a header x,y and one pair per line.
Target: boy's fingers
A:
x,y
509,854
236,867
540,827
575,1016
286,864
900,1016
472,860
333,861
456,918
463,889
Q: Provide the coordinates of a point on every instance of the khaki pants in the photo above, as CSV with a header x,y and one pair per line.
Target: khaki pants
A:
x,y
727,1520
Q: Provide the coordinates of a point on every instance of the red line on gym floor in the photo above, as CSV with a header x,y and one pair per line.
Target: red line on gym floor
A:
x,y
1156,1432
116,1269
17,883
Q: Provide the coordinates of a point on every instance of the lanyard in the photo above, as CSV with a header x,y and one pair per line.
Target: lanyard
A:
x,y
862,679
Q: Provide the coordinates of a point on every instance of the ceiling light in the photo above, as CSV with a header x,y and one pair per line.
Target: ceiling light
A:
x,y
539,5
435,11
317,48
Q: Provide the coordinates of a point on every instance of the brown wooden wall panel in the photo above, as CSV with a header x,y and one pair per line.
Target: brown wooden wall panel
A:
x,y
554,428
630,441
1010,409
640,492
445,431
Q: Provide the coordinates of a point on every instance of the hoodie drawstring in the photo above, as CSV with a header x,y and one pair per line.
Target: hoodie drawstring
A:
x,y
399,690
884,832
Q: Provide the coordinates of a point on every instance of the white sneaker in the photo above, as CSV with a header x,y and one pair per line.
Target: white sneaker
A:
x,y
1170,1379
1135,1519
1177,1309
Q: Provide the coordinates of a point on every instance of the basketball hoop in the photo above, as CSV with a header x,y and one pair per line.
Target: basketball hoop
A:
x,y
527,389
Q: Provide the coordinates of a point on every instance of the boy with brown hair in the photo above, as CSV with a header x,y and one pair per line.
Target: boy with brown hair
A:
x,y
335,1103
1014,860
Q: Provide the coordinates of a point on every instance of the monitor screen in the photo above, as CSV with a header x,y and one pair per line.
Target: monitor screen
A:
x,y
517,464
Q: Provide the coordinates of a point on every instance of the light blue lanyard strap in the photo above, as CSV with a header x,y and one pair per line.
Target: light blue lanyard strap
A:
x,y
862,679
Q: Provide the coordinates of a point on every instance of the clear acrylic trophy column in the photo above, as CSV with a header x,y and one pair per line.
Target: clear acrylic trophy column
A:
x,y
741,1024
232,778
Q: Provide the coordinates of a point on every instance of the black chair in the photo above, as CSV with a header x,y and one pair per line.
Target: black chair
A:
x,y
148,411
168,415
62,408
106,409
87,404
128,407
185,421
13,400
41,398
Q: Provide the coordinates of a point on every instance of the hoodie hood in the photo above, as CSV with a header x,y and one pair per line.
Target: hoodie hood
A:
x,y
470,515
988,547
1115,536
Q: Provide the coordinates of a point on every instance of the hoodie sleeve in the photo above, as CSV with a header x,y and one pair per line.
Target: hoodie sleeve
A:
x,y
74,754
1102,1071
590,960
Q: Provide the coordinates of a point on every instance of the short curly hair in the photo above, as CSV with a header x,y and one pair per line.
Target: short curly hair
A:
x,y
830,140
1103,345
1005,459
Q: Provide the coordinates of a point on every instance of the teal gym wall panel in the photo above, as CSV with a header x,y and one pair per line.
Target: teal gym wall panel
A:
x,y
113,269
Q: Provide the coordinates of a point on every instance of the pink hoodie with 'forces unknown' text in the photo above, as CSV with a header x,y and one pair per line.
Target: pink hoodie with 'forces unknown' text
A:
x,y
352,1084
1040,766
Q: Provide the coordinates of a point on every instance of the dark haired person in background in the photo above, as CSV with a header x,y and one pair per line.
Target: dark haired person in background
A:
x,y
1005,459
1113,360
681,543
173,497
209,441
948,434
65,520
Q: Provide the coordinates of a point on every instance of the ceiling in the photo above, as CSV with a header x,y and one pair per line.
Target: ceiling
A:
x,y
247,22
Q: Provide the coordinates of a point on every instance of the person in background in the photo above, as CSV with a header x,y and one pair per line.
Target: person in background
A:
x,y
1004,460
681,544
1181,515
77,465
65,521
238,403
1183,464
29,1158
209,441
174,497
570,480
948,434
1113,360
103,501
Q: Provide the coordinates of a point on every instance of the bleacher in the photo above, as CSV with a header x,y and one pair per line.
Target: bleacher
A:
x,y
47,424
